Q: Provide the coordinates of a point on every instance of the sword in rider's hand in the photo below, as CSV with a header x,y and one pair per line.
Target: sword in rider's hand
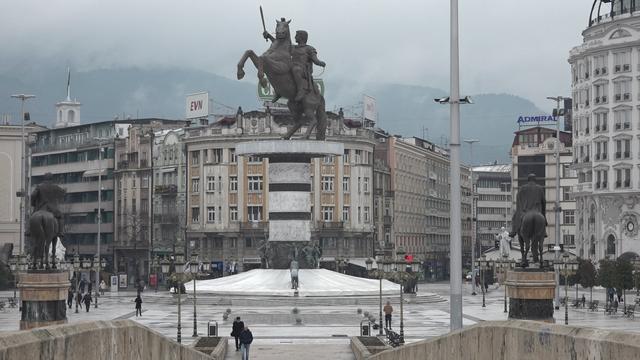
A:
x,y
264,27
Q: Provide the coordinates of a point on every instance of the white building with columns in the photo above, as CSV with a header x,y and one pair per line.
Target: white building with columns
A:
x,y
605,72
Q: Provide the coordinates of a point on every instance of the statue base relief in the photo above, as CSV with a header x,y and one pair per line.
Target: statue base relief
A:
x,y
43,295
531,293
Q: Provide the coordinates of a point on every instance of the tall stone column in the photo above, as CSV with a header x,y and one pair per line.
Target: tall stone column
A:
x,y
289,189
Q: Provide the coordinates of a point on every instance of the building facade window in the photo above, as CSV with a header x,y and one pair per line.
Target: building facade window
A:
x,y
233,183
233,213
211,214
345,184
569,217
254,213
195,157
327,213
255,183
195,215
365,184
211,183
233,158
195,185
345,213
327,183
366,214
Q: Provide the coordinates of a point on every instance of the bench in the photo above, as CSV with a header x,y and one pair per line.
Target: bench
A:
x,y
577,304
12,302
630,311
593,305
393,337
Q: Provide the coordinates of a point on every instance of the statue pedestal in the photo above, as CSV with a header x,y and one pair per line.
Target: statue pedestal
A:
x,y
43,294
289,187
531,293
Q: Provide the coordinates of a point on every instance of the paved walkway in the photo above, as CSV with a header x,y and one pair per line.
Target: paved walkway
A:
x,y
294,349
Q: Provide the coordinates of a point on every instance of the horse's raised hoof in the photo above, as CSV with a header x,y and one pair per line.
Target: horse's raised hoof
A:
x,y
240,74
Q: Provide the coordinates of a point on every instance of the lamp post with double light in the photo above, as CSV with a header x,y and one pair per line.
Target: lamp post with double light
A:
x,y
193,269
97,265
179,272
483,264
13,266
569,267
504,265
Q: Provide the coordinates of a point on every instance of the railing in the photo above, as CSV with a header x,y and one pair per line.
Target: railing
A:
x,y
254,225
166,218
166,189
330,225
387,219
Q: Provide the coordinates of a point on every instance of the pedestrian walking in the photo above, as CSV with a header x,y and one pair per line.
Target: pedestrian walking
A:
x,y
246,338
237,328
584,300
87,300
90,287
78,299
70,298
103,287
388,309
83,283
138,301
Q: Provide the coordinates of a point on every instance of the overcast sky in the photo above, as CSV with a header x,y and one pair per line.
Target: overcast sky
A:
x,y
512,46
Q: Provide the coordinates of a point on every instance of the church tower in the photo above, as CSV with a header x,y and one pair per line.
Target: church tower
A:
x,y
67,111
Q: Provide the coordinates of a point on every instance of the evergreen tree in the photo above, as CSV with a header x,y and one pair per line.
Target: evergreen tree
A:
x,y
586,275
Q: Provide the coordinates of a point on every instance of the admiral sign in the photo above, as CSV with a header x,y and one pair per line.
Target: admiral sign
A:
x,y
523,120
197,106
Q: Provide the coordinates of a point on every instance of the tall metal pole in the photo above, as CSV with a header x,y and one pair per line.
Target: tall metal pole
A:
x,y
179,312
99,218
455,241
380,276
195,316
401,307
474,211
23,170
566,297
556,209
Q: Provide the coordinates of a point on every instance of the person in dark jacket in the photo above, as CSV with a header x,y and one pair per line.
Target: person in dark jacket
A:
x,y
79,299
87,301
138,301
70,298
237,328
246,338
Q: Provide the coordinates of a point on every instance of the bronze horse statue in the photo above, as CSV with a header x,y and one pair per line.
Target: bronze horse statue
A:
x,y
43,228
276,64
531,235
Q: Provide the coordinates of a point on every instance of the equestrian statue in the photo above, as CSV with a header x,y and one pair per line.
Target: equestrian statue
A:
x,y
529,221
289,69
45,222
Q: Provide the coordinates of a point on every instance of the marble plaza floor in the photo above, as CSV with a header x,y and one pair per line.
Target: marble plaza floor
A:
x,y
325,330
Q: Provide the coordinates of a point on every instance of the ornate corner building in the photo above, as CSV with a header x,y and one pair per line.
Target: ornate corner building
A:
x,y
605,82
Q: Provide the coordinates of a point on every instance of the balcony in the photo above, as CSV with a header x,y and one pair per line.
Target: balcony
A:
x,y
597,100
166,218
597,157
617,68
330,225
387,220
627,155
626,67
604,99
626,125
604,127
618,97
261,226
166,189
582,187
603,70
586,131
618,154
626,96
618,126
618,184
597,128
627,183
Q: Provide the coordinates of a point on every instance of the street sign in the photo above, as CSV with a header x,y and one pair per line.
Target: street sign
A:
x,y
197,106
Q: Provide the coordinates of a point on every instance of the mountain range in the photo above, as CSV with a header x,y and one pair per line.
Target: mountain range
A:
x,y
406,110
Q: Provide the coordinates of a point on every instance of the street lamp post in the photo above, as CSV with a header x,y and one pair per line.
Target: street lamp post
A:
x,y
179,270
23,165
13,265
474,212
378,274
76,268
155,264
569,267
400,271
193,268
483,265
99,234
